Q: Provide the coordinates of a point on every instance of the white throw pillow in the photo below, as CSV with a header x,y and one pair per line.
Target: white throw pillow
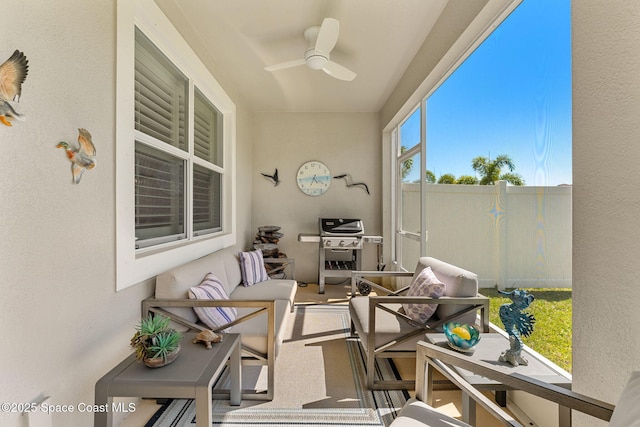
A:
x,y
252,267
627,412
426,284
211,288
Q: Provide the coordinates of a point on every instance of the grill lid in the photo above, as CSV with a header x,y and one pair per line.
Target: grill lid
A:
x,y
341,226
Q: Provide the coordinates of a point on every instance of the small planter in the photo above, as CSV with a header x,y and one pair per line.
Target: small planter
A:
x,y
159,362
155,343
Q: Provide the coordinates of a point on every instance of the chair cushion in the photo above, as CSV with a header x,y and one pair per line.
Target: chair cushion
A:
x,y
418,414
627,412
388,326
425,284
252,267
212,288
458,282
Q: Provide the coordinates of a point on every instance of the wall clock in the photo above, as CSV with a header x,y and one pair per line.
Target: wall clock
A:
x,y
313,178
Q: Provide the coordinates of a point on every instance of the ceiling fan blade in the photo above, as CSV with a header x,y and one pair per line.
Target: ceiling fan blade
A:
x,y
328,35
284,65
339,72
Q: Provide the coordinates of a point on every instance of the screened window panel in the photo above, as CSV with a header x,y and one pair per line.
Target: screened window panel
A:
x,y
160,95
410,195
206,200
207,130
409,251
159,196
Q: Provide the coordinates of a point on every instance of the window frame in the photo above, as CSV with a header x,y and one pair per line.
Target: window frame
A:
x,y
491,17
419,150
135,266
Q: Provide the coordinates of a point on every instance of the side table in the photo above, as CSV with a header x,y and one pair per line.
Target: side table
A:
x,y
190,376
488,350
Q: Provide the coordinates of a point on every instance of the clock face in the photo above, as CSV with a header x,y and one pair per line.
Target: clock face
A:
x,y
314,178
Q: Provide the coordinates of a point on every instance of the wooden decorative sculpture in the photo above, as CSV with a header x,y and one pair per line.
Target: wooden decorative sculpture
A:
x,y
516,323
83,157
12,74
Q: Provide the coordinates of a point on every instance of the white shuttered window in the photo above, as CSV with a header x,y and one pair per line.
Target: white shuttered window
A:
x,y
178,171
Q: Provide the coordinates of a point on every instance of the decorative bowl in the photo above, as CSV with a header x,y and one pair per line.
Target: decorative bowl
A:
x,y
461,337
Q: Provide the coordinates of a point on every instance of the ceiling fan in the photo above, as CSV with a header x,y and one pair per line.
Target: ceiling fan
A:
x,y
322,39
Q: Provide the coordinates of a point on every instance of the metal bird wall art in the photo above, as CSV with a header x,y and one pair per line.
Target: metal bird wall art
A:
x,y
273,178
83,157
349,182
13,72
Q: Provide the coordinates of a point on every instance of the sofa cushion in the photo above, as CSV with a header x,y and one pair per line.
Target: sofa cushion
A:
x,y
212,288
627,411
254,331
231,261
175,283
426,284
274,289
252,267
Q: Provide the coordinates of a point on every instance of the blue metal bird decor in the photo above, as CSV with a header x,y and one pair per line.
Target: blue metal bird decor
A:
x,y
83,157
13,72
517,324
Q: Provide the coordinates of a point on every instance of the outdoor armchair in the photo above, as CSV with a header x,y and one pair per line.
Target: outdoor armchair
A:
x,y
385,330
418,412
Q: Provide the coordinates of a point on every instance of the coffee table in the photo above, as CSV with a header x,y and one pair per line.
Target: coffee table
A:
x,y
488,350
190,376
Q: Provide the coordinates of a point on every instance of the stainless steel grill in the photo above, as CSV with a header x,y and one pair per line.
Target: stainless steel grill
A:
x,y
341,227
340,248
341,233
341,243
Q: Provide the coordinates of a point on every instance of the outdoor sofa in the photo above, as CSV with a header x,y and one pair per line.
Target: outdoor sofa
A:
x,y
235,294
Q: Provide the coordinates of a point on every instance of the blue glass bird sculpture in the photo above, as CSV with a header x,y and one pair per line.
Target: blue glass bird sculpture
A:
x,y
517,324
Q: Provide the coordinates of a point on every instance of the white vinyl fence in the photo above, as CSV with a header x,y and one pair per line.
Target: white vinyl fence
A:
x,y
510,236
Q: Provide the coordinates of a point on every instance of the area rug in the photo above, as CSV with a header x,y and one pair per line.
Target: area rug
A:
x,y
320,380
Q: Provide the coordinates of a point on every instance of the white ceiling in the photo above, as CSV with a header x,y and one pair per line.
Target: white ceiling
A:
x,y
238,38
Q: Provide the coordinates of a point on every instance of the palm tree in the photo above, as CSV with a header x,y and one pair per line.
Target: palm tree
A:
x,y
407,165
491,170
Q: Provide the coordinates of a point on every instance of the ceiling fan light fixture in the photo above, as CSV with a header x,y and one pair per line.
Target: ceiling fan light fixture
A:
x,y
321,41
317,62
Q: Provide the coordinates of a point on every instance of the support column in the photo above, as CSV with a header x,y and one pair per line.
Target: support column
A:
x,y
500,217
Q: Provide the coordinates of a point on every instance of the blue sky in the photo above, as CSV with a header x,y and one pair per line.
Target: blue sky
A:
x,y
511,96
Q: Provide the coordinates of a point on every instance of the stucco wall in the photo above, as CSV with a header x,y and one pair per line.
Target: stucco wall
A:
x,y
606,236
63,323
346,143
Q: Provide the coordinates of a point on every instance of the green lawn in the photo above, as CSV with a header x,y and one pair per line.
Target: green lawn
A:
x,y
551,336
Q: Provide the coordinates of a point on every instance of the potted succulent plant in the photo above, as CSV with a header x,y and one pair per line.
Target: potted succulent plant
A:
x,y
155,343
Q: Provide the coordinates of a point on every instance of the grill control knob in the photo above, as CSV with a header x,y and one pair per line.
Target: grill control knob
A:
x,y
327,242
342,243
